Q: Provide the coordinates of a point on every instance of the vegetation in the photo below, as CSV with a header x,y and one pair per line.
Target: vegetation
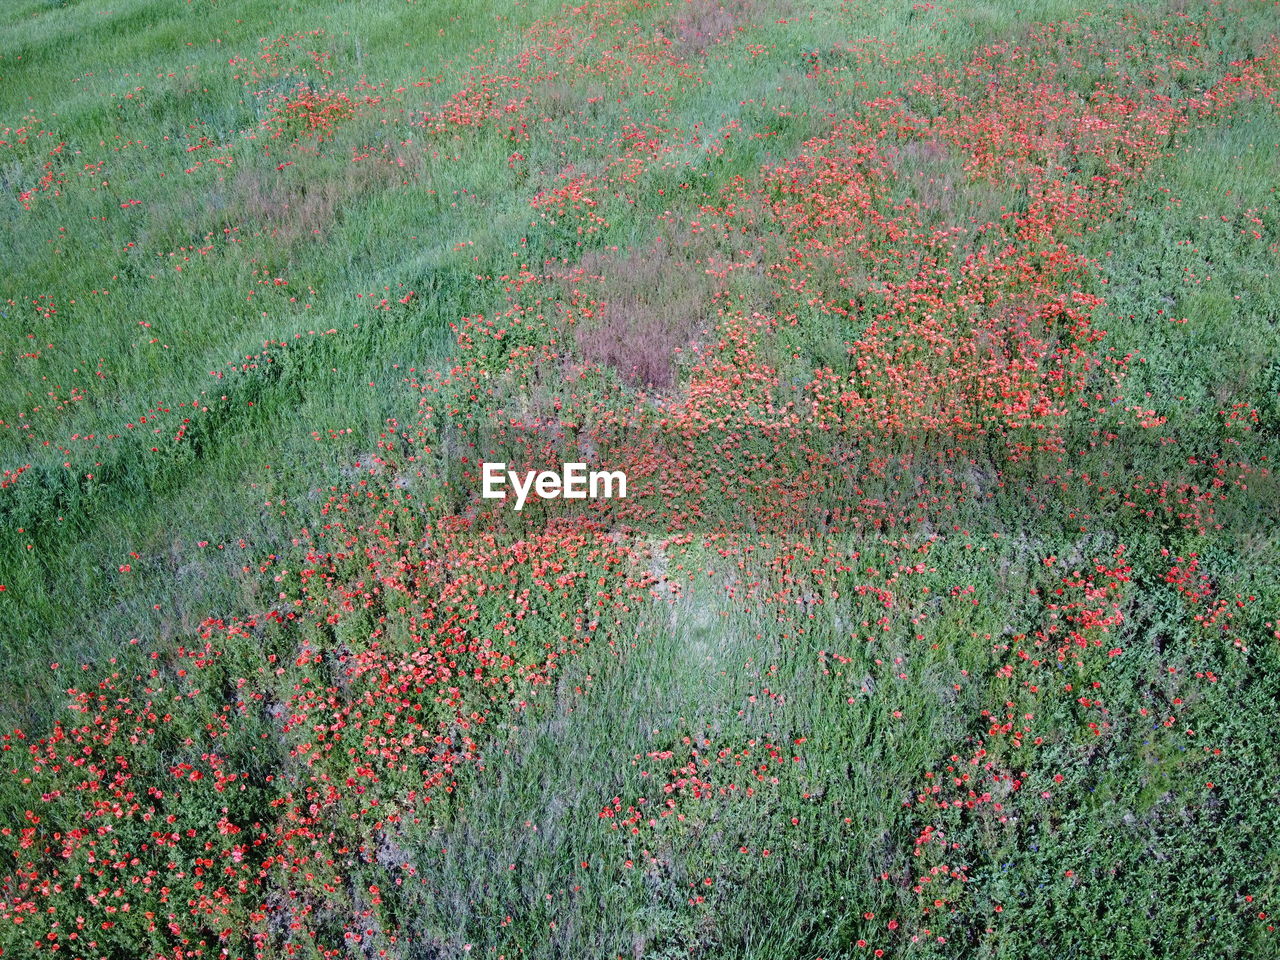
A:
x,y
938,344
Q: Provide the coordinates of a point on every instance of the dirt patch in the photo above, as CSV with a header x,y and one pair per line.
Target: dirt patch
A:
x,y
658,297
295,212
700,24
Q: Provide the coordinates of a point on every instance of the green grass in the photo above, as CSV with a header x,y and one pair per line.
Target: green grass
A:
x,y
520,862
202,318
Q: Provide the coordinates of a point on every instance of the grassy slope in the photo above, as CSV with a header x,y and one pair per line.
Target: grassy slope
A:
x,y
202,319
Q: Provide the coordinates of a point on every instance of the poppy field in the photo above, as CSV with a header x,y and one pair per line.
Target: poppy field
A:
x,y
939,344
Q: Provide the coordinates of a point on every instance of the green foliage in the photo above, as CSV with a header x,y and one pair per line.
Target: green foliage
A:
x,y
285,688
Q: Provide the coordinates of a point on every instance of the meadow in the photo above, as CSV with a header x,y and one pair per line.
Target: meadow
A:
x,y
938,343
